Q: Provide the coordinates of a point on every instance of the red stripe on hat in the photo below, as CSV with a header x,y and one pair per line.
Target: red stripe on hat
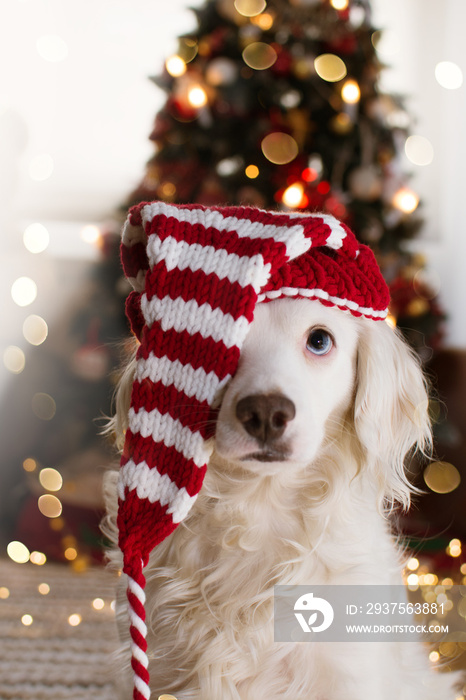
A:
x,y
190,412
162,458
194,350
141,526
169,227
134,259
188,285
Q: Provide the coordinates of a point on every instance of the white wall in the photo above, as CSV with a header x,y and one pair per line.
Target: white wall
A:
x,y
427,32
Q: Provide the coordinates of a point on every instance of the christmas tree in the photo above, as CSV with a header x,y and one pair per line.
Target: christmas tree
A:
x,y
277,104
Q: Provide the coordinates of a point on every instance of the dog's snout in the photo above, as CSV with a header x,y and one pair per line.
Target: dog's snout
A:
x,y
265,416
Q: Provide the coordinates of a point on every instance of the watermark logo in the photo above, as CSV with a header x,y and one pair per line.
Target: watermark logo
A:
x,y
309,604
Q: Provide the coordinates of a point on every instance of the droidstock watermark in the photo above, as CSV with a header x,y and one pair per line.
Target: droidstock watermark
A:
x,y
368,614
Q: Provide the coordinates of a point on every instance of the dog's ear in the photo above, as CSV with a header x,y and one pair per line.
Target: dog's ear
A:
x,y
391,415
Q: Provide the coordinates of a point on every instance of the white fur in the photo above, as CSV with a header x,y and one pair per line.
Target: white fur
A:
x,y
318,517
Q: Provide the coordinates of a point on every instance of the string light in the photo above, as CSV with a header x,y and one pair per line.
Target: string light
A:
x,y
27,620
175,66
264,21
29,464
413,564
38,558
350,92
70,553
434,656
98,604
43,588
454,548
339,4
75,619
90,234
405,200
197,96
293,195
251,171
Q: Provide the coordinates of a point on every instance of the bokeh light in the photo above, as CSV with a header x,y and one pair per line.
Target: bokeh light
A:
x,y
4,593
251,171
50,479
339,4
350,92
29,464
43,588
90,234
41,167
293,195
98,604
175,66
18,552
24,291
279,148
405,200
14,359
36,238
35,329
75,619
442,477
27,620
197,96
330,67
449,75
44,406
250,8
38,558
50,506
259,55
52,47
419,150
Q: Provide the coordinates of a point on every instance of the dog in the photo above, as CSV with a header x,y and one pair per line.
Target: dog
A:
x,y
309,459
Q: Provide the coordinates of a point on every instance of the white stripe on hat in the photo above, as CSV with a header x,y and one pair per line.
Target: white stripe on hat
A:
x,y
155,487
322,294
292,236
163,428
337,232
182,256
194,318
193,382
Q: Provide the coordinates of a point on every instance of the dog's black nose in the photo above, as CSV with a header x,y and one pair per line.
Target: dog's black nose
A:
x,y
265,416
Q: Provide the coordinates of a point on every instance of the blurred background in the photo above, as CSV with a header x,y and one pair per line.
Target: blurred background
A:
x,y
353,107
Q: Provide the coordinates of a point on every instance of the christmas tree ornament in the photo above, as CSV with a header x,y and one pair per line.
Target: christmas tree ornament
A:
x,y
197,275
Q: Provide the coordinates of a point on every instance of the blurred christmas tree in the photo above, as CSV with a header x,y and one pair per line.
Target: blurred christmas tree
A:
x,y
276,104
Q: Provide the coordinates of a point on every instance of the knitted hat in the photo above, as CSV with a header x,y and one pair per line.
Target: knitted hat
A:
x,y
197,275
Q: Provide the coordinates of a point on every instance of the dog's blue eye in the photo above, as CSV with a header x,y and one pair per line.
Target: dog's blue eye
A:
x,y
319,342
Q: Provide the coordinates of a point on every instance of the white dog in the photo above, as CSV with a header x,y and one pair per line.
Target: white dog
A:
x,y
310,445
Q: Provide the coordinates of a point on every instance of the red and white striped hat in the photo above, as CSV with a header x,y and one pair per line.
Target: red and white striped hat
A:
x,y
197,275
